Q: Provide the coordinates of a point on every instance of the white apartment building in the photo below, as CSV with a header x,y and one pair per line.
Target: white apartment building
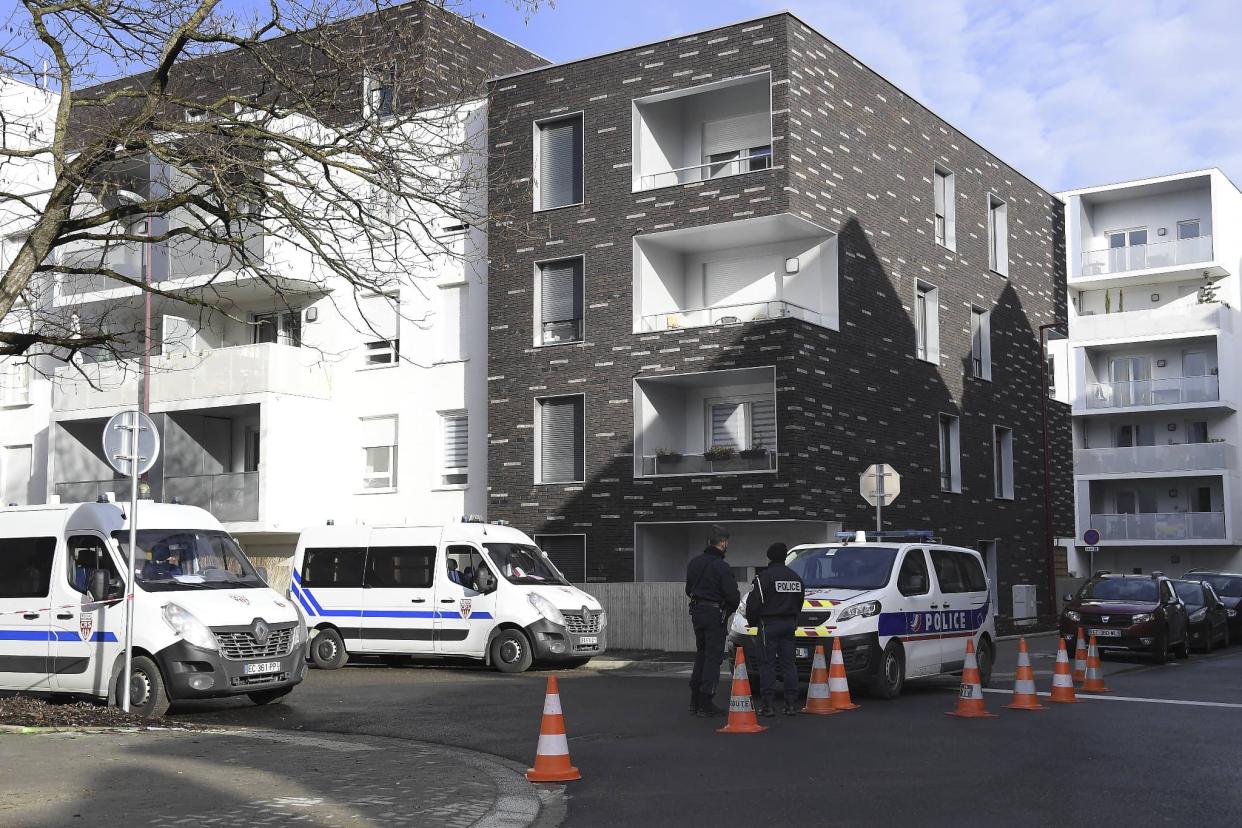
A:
x,y
1153,372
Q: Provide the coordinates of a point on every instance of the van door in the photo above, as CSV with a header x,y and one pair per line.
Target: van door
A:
x,y
88,636
918,596
466,615
963,603
398,599
25,612
329,585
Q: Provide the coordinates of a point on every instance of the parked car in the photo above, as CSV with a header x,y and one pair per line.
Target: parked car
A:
x,y
1228,587
1129,612
1209,620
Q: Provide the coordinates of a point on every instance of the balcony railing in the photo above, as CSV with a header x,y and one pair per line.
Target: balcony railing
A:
x,y
1161,526
1155,459
706,172
1147,256
1166,391
88,491
228,497
727,315
1173,320
660,465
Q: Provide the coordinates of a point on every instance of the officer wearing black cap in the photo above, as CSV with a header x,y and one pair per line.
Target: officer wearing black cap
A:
x,y
714,596
773,605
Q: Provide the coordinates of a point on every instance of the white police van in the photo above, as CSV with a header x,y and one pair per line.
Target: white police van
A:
x,y
469,589
205,622
902,605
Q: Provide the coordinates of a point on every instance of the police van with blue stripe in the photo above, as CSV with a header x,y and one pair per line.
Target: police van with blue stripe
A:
x,y
902,605
470,589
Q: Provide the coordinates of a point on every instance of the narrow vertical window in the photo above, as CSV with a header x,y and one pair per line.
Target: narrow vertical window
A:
x,y
926,322
945,208
381,326
998,236
453,327
378,93
379,452
950,455
1002,462
558,163
456,449
980,343
559,450
14,382
559,295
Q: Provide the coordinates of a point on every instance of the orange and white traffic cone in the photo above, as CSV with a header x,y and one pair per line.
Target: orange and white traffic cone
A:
x,y
838,685
1095,672
742,717
970,699
818,696
1080,657
1024,696
1062,679
552,756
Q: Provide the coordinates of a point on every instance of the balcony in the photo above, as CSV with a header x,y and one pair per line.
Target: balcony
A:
x,y
705,133
217,373
1168,391
727,315
1160,526
1186,457
1175,320
747,460
88,491
1152,256
229,497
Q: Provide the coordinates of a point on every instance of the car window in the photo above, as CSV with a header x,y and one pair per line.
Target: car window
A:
x,y
462,564
912,579
1226,586
26,567
1121,589
86,554
976,581
1190,592
395,567
1169,592
333,567
948,573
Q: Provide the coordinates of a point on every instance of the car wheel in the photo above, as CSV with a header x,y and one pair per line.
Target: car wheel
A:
x,y
890,677
511,652
148,696
984,658
262,697
1209,641
1160,648
1183,650
328,650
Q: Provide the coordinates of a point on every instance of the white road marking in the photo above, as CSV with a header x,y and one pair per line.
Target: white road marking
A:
x,y
1093,697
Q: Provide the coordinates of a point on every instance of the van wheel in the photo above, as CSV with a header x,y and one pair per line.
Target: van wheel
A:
x,y
984,658
328,650
147,694
511,652
891,675
262,697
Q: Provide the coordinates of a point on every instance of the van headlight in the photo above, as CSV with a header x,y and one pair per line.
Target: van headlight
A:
x,y
299,632
864,610
1141,618
603,619
185,624
546,608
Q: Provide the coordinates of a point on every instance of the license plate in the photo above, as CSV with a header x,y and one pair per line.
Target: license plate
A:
x,y
1105,633
263,667
802,652
589,639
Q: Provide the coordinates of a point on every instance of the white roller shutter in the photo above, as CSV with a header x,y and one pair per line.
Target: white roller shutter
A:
x,y
378,431
560,440
380,317
763,424
560,162
724,281
729,425
560,291
456,441
452,322
17,471
733,134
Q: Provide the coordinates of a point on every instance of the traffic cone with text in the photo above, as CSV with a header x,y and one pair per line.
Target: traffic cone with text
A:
x,y
1024,696
818,696
838,685
742,717
1062,679
970,698
1080,657
1094,682
552,756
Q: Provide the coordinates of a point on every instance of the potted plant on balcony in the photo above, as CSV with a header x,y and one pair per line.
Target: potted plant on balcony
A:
x,y
668,460
756,457
722,458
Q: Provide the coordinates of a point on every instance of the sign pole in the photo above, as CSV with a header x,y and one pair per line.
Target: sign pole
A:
x,y
879,502
135,427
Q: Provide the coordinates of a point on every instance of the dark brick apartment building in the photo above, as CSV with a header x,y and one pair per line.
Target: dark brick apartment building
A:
x,y
731,270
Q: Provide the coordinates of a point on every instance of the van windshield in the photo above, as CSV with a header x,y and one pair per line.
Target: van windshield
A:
x,y
181,559
844,567
522,563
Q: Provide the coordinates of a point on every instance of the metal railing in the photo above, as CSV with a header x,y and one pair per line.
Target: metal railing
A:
x,y
232,496
1145,256
660,465
1140,459
706,172
1161,526
88,491
1166,391
727,315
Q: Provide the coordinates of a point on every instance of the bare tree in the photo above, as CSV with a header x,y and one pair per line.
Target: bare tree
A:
x,y
306,145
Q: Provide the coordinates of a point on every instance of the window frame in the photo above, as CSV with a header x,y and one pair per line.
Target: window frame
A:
x,y
368,565
537,538
20,372
981,365
949,240
536,125
392,457
462,352
1198,223
998,242
391,347
538,302
69,560
1003,484
952,452
926,323
310,551
445,469
538,441
922,557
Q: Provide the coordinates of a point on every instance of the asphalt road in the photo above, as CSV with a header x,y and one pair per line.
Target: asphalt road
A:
x,y
1162,749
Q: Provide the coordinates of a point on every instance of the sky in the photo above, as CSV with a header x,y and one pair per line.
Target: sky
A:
x,y
1070,92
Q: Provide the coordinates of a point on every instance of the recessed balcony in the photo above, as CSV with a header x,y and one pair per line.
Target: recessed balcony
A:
x,y
1177,253
1152,511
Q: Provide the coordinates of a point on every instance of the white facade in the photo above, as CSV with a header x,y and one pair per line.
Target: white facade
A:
x,y
1152,371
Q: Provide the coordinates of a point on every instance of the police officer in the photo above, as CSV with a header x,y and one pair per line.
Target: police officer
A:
x,y
713,595
773,605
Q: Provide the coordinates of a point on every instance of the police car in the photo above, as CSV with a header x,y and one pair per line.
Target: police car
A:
x,y
901,604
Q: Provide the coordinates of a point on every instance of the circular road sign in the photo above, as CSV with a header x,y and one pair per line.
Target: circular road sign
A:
x,y
118,445
1091,537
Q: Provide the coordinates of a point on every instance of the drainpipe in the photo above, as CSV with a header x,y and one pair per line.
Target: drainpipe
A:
x,y
1049,538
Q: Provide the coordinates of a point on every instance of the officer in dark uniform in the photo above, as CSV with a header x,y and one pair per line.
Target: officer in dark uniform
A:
x,y
713,595
773,605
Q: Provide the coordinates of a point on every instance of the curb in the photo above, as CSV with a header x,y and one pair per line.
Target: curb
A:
x,y
33,730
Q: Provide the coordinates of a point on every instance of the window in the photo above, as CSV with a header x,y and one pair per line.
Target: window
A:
x,y
912,579
283,327
86,554
558,302
1188,229
972,572
378,92
333,567
980,343
1002,462
958,571
1127,249
456,449
737,145
394,567
560,430
381,325
1196,431
14,382
927,322
998,235
1203,499
950,455
463,564
453,327
944,200
26,567
742,424
252,445
558,163
1050,374
567,552
379,452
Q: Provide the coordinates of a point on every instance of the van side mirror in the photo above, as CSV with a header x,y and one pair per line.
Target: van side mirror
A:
x,y
97,585
1067,597
261,571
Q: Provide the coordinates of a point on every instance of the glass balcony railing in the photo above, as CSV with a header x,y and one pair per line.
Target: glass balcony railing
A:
x,y
1161,526
228,497
1147,256
88,491
1154,459
727,315
670,464
1166,391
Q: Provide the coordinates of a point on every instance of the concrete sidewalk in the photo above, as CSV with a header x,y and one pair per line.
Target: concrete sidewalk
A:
x,y
253,777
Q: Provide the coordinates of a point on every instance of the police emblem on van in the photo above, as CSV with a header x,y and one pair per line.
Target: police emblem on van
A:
x,y
86,623
241,599
464,607
916,623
